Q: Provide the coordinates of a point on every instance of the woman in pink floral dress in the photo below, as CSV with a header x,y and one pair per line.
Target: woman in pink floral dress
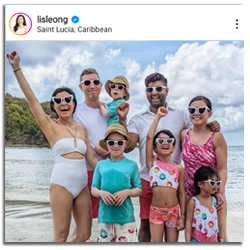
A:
x,y
200,147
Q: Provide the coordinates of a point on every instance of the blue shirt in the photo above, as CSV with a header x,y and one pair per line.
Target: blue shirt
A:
x,y
114,117
113,176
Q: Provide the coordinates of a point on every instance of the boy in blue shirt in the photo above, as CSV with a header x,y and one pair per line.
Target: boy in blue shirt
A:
x,y
115,180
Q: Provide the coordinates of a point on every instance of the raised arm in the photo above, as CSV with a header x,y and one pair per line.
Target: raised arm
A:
x,y
150,136
42,119
122,111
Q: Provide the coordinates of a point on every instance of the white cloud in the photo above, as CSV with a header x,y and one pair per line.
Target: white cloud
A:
x,y
112,53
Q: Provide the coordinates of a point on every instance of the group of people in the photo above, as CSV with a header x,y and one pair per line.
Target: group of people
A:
x,y
92,178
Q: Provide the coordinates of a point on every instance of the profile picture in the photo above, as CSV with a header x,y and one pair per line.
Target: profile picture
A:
x,y
20,24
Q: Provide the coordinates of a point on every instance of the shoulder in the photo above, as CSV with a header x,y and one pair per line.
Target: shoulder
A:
x,y
129,161
80,127
180,168
191,203
184,133
218,139
132,163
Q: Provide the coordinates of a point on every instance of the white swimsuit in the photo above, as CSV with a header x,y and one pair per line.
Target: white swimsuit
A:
x,y
70,173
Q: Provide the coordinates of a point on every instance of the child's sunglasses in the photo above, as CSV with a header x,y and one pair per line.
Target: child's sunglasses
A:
x,y
165,141
113,86
59,100
201,110
213,183
119,143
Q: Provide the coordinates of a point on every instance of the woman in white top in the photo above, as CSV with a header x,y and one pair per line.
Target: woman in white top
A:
x,y
69,142
21,26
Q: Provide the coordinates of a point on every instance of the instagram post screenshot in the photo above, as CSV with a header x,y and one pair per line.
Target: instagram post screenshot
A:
x,y
124,123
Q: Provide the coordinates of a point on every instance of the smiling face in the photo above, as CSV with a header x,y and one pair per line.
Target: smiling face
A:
x,y
164,149
116,151
20,21
196,118
157,99
92,91
64,109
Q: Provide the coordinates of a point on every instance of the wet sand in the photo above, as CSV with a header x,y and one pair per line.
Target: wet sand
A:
x,y
27,221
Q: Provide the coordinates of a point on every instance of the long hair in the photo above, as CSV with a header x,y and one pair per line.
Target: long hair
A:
x,y
16,25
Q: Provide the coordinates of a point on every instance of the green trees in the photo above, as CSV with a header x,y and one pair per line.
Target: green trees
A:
x,y
20,124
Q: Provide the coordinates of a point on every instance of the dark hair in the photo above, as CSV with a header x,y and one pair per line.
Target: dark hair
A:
x,y
59,90
16,25
202,98
167,132
156,77
88,71
203,174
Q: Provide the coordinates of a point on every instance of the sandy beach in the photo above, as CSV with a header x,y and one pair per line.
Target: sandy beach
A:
x,y
31,222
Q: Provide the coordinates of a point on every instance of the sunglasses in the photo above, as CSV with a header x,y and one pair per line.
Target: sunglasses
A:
x,y
88,82
119,143
213,183
165,141
113,86
59,100
157,88
201,110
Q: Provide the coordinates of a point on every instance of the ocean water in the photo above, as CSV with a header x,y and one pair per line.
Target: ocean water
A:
x,y
28,171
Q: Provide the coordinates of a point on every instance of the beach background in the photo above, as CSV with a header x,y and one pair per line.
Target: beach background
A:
x,y
27,180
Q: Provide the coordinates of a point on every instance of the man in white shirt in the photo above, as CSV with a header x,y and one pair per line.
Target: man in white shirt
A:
x,y
176,120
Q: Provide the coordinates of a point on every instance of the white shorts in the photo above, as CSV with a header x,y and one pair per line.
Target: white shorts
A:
x,y
117,232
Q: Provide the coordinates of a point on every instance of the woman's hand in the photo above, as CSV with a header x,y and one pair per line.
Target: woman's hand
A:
x,y
14,59
220,201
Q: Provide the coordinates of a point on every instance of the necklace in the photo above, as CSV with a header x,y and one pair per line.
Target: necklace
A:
x,y
74,136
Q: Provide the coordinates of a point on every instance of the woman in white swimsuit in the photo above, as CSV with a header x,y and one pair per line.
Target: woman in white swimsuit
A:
x,y
70,144
20,26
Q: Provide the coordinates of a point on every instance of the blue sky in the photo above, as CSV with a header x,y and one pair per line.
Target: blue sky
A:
x,y
211,68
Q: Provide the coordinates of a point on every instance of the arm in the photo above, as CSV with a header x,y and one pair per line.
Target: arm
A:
x,y
181,197
42,119
189,220
183,134
150,136
89,156
99,150
221,159
103,110
121,196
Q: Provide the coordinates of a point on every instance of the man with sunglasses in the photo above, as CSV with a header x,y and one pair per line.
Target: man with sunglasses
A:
x,y
88,114
176,120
